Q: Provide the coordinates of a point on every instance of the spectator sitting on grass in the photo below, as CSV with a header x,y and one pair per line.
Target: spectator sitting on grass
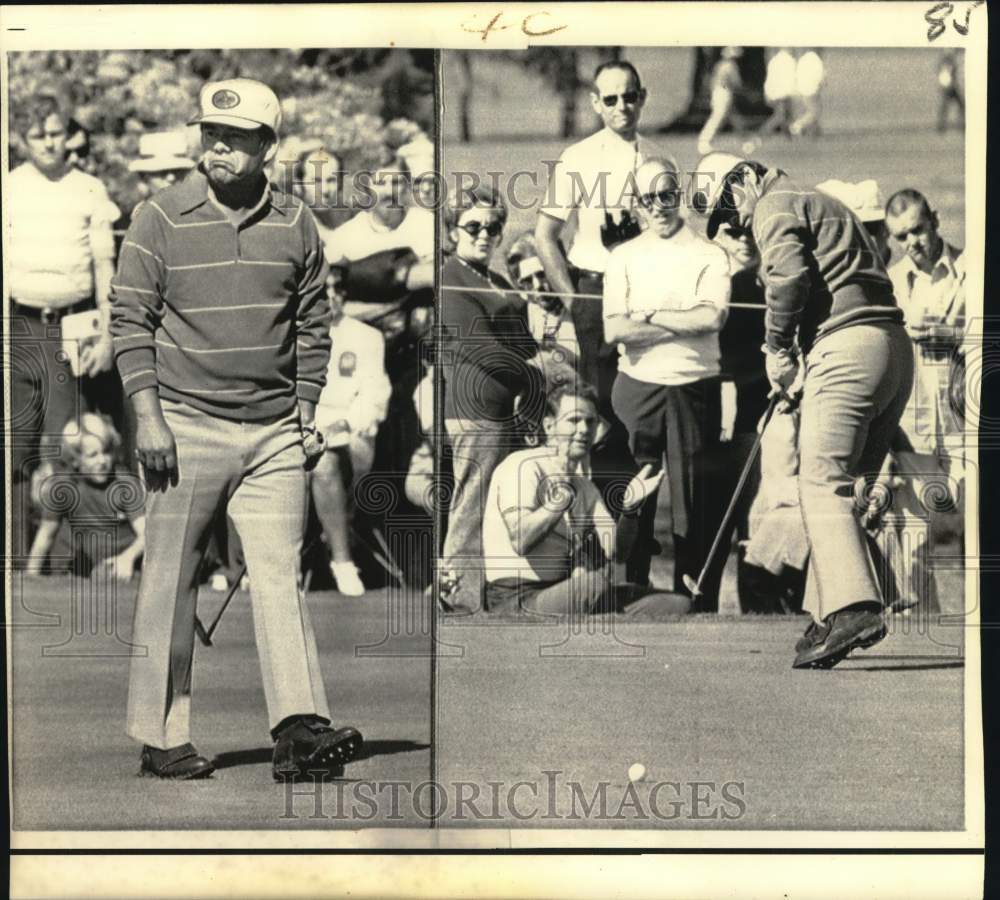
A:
x,y
549,542
91,510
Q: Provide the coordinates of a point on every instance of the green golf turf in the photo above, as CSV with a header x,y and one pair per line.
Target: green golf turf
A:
x,y
874,744
74,767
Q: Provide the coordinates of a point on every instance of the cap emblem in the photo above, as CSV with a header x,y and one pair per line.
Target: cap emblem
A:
x,y
225,99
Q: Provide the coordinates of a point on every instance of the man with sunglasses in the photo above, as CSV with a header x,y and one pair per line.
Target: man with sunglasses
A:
x,y
592,183
830,307
666,296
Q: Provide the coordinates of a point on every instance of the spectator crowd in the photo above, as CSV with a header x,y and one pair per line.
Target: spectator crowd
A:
x,y
681,326
71,424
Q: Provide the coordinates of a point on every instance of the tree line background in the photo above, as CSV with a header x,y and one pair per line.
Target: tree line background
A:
x,y
358,102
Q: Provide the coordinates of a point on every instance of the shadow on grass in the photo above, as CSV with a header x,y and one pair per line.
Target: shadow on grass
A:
x,y
905,664
262,755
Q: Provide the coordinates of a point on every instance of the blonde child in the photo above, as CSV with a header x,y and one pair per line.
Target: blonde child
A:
x,y
90,510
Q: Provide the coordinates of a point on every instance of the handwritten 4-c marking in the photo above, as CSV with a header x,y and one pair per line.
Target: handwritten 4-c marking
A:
x,y
528,26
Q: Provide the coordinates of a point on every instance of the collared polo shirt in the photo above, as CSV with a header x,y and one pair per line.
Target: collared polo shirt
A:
x,y
649,274
928,420
940,292
230,319
594,176
55,231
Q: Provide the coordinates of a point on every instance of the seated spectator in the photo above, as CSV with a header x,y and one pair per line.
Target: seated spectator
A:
x,y
91,509
350,410
549,543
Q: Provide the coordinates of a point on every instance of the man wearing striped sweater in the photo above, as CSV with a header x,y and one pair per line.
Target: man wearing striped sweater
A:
x,y
830,302
221,335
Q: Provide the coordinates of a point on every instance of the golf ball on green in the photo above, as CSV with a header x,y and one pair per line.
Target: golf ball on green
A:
x,y
636,772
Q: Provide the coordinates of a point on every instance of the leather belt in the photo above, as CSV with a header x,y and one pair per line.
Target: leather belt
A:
x,y
50,315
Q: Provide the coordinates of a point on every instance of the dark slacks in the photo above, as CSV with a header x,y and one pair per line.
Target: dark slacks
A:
x,y
680,424
44,396
612,464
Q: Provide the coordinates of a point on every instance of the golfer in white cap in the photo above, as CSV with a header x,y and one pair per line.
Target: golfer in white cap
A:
x,y
830,307
221,331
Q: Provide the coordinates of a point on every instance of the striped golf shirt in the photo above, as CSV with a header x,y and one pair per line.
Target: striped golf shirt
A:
x,y
232,320
821,269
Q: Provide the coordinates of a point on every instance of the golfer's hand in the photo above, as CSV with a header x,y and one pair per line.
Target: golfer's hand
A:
x,y
314,446
643,484
784,374
156,451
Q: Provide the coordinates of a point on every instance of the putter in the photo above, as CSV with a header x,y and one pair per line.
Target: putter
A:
x,y
695,586
206,636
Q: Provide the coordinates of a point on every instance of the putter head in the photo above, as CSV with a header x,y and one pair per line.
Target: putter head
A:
x,y
691,585
203,635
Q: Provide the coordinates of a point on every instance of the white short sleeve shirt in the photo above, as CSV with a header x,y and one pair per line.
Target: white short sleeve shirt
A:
x,y
594,176
519,482
55,231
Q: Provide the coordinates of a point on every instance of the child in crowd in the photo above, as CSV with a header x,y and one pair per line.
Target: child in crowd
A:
x,y
91,508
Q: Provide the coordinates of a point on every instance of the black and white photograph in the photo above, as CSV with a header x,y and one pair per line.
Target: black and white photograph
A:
x,y
220,292
458,450
706,317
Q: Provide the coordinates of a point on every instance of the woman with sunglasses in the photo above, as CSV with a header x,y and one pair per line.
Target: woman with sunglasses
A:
x,y
484,351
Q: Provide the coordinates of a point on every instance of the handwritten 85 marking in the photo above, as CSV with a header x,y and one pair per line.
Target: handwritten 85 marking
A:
x,y
938,14
527,26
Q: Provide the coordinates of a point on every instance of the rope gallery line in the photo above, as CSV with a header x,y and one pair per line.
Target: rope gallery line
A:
x,y
493,290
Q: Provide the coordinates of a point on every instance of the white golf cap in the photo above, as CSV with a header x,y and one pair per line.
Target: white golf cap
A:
x,y
863,199
240,103
162,151
707,184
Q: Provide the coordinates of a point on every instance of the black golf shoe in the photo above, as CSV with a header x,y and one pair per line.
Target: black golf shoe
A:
x,y
182,763
308,746
827,643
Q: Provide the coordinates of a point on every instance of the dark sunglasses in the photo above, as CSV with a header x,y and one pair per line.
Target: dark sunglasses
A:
x,y
665,199
734,231
630,98
474,228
